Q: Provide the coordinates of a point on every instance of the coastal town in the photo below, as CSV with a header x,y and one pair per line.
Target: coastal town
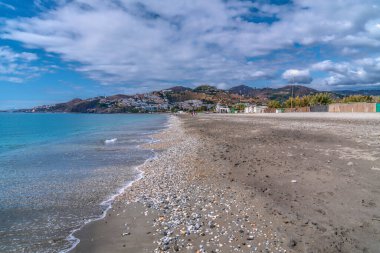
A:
x,y
205,98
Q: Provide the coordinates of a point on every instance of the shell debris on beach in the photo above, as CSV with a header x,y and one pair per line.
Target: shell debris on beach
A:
x,y
197,214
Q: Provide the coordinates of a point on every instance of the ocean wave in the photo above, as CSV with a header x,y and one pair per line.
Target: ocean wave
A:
x,y
110,141
107,204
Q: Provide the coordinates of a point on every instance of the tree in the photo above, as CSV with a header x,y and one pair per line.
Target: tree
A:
x,y
310,100
321,99
357,99
274,104
239,107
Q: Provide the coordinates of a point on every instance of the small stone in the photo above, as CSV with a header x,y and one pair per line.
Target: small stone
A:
x,y
292,243
211,224
250,238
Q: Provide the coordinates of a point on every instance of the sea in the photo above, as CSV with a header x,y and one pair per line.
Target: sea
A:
x,y
60,171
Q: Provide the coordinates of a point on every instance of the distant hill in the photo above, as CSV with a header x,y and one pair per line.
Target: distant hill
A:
x,y
358,92
178,89
184,98
207,89
243,90
282,93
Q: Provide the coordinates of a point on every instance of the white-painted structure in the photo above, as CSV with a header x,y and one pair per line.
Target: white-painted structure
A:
x,y
259,109
249,109
279,111
222,109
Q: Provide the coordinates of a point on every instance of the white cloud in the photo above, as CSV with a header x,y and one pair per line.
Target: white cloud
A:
x,y
362,72
297,76
16,67
8,6
149,42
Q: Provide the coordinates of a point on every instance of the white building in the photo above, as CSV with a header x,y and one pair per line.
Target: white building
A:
x,y
259,109
249,109
222,109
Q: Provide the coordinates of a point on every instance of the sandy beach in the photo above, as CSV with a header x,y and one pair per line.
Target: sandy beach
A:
x,y
251,183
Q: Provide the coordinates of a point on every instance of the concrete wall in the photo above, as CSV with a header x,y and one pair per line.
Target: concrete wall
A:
x,y
298,109
319,108
270,110
353,107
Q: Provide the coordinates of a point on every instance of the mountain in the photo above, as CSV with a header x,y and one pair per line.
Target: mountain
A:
x,y
203,97
242,90
207,89
358,92
178,89
282,93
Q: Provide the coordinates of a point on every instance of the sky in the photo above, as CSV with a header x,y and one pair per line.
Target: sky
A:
x,y
55,50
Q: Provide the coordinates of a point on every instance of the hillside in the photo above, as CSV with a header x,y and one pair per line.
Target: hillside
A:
x,y
203,97
282,93
358,92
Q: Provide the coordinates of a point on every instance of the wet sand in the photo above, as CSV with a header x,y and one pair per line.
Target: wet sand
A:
x,y
236,183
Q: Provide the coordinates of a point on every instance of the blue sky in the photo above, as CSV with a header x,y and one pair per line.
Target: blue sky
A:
x,y
53,51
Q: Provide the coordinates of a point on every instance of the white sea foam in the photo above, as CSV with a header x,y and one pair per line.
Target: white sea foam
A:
x,y
110,141
108,203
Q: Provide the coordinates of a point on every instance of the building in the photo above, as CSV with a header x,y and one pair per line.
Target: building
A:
x,y
279,110
222,109
249,109
259,109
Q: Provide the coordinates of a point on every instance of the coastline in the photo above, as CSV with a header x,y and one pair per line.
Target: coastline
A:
x,y
180,206
227,183
108,203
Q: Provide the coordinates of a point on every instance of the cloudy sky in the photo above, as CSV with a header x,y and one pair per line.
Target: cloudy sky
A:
x,y
52,51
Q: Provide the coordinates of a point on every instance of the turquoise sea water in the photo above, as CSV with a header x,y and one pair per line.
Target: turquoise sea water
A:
x,y
56,169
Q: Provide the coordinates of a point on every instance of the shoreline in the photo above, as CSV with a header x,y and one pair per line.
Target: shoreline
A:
x,y
170,208
110,201
251,184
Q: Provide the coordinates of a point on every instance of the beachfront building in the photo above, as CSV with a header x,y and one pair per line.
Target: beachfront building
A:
x,y
259,109
222,109
249,109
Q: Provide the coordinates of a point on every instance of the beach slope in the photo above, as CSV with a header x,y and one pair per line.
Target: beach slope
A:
x,y
236,183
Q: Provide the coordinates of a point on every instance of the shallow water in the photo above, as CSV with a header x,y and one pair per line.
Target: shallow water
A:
x,y
56,169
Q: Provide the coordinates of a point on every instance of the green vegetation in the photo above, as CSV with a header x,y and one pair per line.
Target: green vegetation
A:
x,y
239,107
274,104
357,99
320,99
310,100
205,88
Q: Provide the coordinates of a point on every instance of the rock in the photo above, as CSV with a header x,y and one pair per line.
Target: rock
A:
x,y
292,243
250,238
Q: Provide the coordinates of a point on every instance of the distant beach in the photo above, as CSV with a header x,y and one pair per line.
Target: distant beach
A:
x,y
251,183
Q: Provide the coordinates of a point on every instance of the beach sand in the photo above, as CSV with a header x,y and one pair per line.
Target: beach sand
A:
x,y
247,183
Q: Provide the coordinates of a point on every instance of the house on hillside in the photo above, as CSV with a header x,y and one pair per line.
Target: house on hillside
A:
x,y
222,109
